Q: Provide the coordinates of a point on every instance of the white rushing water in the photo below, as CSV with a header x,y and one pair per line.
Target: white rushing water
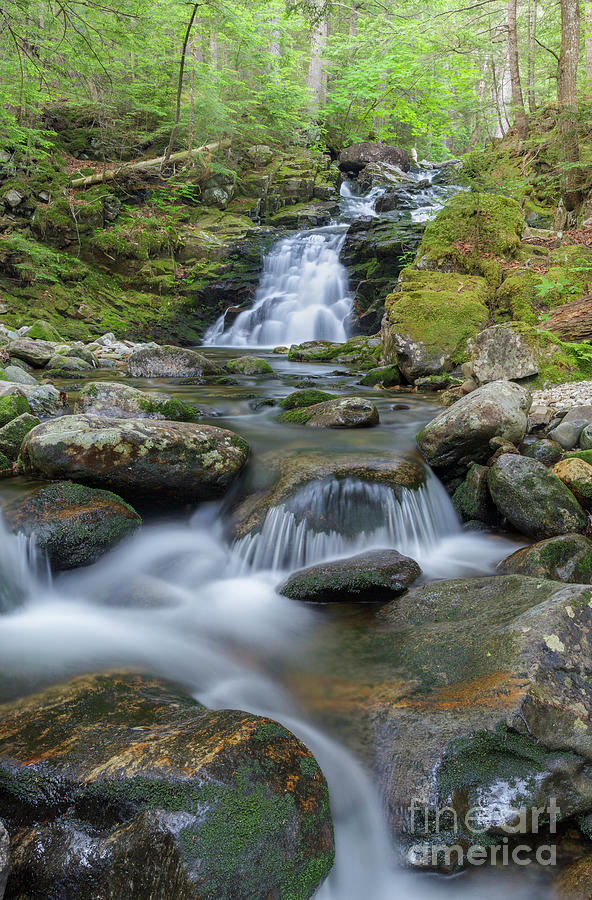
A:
x,y
162,601
303,293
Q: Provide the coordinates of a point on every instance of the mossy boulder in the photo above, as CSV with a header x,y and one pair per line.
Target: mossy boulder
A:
x,y
464,692
75,525
388,376
13,403
248,365
346,412
376,576
44,399
471,499
120,401
168,796
68,363
361,353
533,499
472,234
36,353
43,331
172,461
304,398
546,451
460,435
429,320
576,474
170,362
13,434
567,557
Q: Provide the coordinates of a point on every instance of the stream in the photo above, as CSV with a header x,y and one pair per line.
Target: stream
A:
x,y
223,630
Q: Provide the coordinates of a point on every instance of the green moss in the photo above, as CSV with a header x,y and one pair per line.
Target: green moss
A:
x,y
174,410
43,331
586,455
386,375
248,365
12,406
440,310
296,416
360,352
5,466
471,234
517,298
301,399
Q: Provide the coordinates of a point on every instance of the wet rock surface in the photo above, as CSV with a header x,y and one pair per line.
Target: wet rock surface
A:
x,y
563,558
117,784
174,362
348,412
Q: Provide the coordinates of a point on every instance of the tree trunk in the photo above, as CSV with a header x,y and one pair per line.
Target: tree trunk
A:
x,y
532,26
317,77
520,120
175,128
588,39
568,102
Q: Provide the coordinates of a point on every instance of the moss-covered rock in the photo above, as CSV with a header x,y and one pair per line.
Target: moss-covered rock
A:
x,y
471,498
361,352
248,365
429,320
43,331
346,412
304,398
471,234
172,461
547,452
576,474
171,797
461,434
170,362
73,524
36,353
106,398
13,404
533,499
388,376
13,434
564,558
376,576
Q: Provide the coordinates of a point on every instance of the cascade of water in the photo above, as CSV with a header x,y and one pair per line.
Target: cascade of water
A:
x,y
22,567
335,518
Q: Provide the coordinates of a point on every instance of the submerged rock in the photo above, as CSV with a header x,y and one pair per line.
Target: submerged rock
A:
x,y
73,524
248,365
137,457
375,576
347,412
567,557
169,799
533,499
106,398
170,362
303,398
468,694
461,434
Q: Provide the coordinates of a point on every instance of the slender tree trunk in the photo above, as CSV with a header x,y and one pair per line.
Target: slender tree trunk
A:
x,y
520,119
317,77
567,99
588,40
353,21
532,26
497,99
175,128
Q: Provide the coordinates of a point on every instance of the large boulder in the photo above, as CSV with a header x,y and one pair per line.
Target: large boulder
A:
x,y
106,398
36,353
170,362
136,457
347,412
533,499
567,557
19,376
375,576
75,525
429,319
248,365
357,156
500,353
168,798
467,694
44,399
461,434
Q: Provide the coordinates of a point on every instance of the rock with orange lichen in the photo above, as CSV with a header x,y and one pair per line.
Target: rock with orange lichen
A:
x,y
120,785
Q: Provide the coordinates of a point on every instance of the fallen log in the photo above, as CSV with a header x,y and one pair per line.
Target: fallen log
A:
x,y
573,321
146,164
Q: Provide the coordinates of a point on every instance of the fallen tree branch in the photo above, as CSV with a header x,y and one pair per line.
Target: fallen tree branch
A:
x,y
146,164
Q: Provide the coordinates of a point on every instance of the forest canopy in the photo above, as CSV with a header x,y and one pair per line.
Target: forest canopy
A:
x,y
442,76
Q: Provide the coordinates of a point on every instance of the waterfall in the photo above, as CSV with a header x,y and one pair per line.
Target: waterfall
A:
x,y
303,293
332,518
22,566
